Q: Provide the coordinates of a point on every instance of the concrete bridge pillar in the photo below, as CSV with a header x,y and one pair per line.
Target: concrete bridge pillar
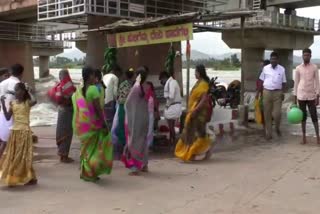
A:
x,y
252,59
82,45
43,66
12,52
96,41
286,60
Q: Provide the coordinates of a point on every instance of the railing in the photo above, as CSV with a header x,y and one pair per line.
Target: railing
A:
x,y
76,35
279,20
59,9
22,32
211,26
52,44
35,33
50,9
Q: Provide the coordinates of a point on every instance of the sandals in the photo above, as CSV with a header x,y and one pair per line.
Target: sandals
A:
x,y
145,169
32,182
88,179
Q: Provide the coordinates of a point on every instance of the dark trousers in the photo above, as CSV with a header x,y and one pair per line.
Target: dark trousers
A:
x,y
109,111
312,109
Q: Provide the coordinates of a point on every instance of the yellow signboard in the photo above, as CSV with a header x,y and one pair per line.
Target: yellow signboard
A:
x,y
174,33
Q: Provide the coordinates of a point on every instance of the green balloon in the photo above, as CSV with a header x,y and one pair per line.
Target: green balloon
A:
x,y
295,115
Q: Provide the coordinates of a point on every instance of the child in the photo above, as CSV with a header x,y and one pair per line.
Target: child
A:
x,y
16,165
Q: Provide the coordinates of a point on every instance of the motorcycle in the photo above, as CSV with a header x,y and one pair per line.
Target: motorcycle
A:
x,y
217,92
225,96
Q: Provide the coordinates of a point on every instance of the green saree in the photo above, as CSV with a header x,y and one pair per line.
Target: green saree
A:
x,y
96,147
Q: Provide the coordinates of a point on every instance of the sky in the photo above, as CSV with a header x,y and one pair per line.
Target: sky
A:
x,y
211,43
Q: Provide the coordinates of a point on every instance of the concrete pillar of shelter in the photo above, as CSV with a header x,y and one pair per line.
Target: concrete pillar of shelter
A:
x,y
286,60
273,9
96,41
82,45
43,66
244,4
252,59
12,52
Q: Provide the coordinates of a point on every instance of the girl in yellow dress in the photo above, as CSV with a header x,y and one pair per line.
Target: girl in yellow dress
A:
x,y
16,166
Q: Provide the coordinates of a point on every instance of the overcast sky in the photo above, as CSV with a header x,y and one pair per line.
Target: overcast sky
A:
x,y
211,43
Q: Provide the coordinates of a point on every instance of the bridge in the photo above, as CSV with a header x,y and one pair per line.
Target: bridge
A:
x,y
39,28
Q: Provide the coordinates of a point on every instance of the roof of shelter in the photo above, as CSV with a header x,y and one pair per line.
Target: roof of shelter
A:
x,y
129,25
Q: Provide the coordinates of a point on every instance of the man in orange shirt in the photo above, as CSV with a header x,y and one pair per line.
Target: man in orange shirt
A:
x,y
306,92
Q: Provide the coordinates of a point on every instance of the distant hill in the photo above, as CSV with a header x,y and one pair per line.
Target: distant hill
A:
x,y
195,55
72,53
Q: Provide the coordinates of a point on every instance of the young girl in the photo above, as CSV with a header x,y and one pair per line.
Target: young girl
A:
x,y
16,165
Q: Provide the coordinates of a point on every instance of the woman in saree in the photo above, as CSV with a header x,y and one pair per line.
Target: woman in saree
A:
x,y
89,125
194,143
118,127
135,155
65,112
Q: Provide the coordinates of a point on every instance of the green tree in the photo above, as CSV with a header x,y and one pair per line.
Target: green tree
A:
x,y
235,61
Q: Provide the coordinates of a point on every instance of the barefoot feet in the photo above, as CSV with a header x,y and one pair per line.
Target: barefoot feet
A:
x,y
65,159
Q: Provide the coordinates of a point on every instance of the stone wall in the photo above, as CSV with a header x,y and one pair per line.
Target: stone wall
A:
x,y
12,52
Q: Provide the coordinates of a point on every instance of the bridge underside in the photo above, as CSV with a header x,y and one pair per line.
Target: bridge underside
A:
x,y
18,10
12,52
294,4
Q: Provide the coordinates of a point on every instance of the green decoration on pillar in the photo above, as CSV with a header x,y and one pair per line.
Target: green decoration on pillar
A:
x,y
110,59
169,66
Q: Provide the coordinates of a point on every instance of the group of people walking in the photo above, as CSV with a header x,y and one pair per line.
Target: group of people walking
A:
x,y
130,111
272,84
114,116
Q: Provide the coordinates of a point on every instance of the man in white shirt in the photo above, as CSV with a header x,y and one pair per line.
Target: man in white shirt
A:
x,y
7,89
111,82
274,80
173,109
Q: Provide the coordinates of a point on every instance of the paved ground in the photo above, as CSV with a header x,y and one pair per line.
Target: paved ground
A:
x,y
245,175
